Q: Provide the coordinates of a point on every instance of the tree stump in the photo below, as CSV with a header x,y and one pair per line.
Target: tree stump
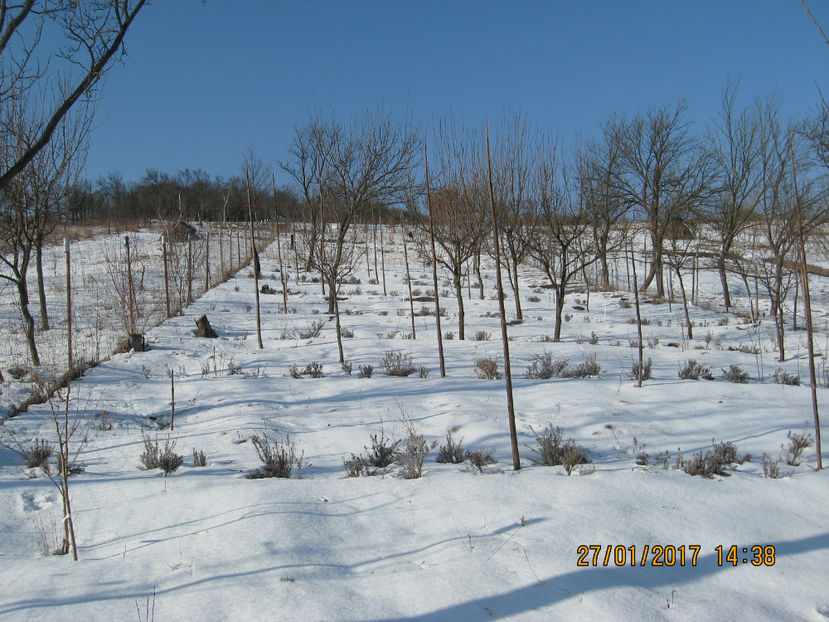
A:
x,y
203,328
137,342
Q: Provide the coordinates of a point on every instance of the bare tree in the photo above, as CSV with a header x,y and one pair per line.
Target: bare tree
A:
x,y
29,202
512,170
458,214
599,171
734,145
777,211
306,166
664,174
51,72
559,237
367,164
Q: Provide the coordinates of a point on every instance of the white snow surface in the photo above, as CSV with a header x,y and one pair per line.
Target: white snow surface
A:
x,y
210,544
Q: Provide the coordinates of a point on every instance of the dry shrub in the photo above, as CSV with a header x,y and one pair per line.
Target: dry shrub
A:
x,y
783,377
397,363
715,461
451,452
37,456
695,371
481,458
735,374
583,370
279,459
544,367
487,369
552,451
414,452
797,443
154,457
646,370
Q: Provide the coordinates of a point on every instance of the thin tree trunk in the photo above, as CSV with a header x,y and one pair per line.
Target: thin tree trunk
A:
x,y
685,303
807,303
458,283
434,269
41,289
409,280
726,294
383,260
516,460
641,369
255,271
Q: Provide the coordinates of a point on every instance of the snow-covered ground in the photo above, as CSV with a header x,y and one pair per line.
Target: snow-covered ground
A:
x,y
209,543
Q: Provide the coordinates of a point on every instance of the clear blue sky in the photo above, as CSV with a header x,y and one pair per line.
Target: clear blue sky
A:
x,y
205,81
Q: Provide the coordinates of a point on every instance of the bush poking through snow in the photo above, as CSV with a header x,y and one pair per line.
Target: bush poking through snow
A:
x,y
366,371
199,459
715,461
553,452
414,452
396,363
797,443
783,377
487,369
383,451
481,335
37,456
544,367
481,458
358,467
451,452
278,459
312,370
313,330
695,371
646,370
583,370
771,468
735,374
165,459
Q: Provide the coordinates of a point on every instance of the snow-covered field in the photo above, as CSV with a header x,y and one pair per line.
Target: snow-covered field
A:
x,y
208,543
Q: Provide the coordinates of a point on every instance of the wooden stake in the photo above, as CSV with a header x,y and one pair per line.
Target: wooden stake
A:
x,y
513,435
68,306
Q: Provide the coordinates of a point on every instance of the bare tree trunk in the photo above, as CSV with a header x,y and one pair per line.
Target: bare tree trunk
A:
x,y
409,280
726,295
255,271
383,260
374,241
166,273
560,295
685,303
477,263
41,289
434,269
641,368
458,283
207,261
339,329
519,314
807,303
